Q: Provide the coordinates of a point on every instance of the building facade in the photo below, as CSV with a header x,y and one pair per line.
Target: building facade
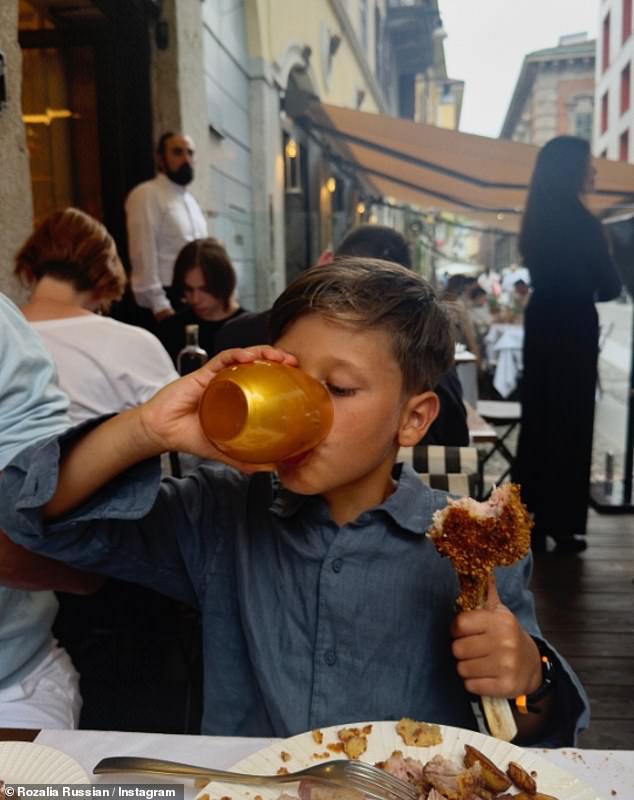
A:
x,y
93,83
554,93
614,121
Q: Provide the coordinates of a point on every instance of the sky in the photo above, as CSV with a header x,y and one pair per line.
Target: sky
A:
x,y
488,39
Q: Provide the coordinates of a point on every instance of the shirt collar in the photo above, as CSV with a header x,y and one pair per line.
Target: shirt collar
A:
x,y
410,505
166,183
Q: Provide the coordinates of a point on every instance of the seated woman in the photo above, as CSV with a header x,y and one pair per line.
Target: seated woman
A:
x,y
71,265
206,280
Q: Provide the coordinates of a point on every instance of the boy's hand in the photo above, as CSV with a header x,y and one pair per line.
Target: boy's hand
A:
x,y
495,656
170,419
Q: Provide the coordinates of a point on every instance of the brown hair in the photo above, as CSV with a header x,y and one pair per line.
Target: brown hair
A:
x,y
217,269
72,246
374,294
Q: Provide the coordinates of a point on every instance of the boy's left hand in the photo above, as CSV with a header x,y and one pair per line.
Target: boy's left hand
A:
x,y
495,656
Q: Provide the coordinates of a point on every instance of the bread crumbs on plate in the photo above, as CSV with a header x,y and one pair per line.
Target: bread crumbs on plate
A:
x,y
321,755
285,756
318,737
282,771
355,740
418,734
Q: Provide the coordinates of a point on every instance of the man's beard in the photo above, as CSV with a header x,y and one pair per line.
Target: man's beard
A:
x,y
183,176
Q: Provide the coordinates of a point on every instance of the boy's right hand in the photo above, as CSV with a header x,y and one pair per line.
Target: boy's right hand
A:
x,y
169,421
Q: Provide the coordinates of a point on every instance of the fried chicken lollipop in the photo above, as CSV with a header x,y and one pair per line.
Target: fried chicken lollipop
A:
x,y
477,537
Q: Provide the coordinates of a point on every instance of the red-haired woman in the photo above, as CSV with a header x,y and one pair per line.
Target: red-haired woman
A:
x,y
71,265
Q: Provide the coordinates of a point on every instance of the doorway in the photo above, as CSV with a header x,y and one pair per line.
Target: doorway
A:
x,y
86,105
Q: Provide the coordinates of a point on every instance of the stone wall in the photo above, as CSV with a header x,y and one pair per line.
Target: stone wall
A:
x,y
16,210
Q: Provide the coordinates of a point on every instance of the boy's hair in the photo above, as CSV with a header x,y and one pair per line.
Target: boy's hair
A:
x,y
217,269
375,241
374,294
72,246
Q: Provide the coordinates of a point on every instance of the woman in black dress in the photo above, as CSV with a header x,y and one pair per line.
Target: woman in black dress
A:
x,y
566,252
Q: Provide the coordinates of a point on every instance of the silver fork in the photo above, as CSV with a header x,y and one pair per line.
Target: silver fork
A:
x,y
372,781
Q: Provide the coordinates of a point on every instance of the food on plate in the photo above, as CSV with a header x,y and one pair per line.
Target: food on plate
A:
x,y
354,740
522,779
285,756
313,790
318,736
477,537
492,777
418,734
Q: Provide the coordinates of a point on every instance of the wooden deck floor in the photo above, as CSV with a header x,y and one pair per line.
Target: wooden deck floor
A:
x,y
585,605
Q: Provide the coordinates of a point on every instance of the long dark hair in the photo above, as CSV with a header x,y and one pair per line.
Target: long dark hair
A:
x,y
216,266
559,177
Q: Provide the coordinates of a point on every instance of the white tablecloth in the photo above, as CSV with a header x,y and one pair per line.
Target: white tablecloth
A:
x,y
609,772
467,371
504,349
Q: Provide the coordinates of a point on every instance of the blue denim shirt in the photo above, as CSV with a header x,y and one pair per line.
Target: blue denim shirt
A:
x,y
305,624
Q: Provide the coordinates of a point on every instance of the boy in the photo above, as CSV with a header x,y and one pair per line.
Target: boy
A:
x,y
322,600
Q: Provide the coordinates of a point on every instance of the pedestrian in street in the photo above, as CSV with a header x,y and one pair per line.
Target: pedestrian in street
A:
x,y
161,217
567,255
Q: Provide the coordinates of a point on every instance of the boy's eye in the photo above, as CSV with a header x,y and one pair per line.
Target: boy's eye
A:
x,y
339,391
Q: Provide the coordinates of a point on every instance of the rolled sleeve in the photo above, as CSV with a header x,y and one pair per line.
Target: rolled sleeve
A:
x,y
571,712
126,530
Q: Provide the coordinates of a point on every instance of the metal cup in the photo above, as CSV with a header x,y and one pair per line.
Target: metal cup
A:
x,y
265,412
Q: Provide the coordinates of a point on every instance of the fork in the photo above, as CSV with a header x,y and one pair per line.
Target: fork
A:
x,y
372,781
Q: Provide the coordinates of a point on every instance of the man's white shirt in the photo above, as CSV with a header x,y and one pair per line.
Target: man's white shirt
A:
x,y
162,217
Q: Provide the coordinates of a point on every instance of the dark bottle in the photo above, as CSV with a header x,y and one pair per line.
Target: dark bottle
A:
x,y
192,356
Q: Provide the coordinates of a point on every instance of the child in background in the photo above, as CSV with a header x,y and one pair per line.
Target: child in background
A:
x,y
322,600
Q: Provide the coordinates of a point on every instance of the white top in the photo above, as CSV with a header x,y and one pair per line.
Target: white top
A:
x,y
104,365
161,218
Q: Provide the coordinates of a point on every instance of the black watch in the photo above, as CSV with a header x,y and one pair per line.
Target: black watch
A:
x,y
527,703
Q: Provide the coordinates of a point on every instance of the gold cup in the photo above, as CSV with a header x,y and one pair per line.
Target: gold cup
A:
x,y
265,412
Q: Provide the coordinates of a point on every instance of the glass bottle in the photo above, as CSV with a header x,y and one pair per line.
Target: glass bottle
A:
x,y
192,356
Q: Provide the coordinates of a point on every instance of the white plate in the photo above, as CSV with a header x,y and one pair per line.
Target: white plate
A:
x,y
26,762
381,742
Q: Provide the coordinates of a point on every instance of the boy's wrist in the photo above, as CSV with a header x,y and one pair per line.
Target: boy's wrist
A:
x,y
140,436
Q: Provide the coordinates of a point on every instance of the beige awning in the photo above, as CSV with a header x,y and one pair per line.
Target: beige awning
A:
x,y
442,170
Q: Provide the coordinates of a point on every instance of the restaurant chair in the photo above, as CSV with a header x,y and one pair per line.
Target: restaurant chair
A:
x,y
505,416
451,469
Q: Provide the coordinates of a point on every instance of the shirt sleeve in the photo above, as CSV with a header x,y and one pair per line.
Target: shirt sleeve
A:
x,y
142,220
571,712
146,368
135,528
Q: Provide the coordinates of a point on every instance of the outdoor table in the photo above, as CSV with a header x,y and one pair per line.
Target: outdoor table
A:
x,y
609,772
467,370
504,343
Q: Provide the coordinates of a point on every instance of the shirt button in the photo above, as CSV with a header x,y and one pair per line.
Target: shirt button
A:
x,y
337,564
330,657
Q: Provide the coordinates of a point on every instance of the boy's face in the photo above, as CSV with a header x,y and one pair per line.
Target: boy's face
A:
x,y
358,368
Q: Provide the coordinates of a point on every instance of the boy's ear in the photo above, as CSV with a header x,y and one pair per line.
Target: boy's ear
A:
x,y
418,414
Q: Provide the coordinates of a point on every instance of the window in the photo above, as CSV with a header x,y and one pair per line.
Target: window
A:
x,y
625,89
624,146
605,62
627,20
604,113
583,125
